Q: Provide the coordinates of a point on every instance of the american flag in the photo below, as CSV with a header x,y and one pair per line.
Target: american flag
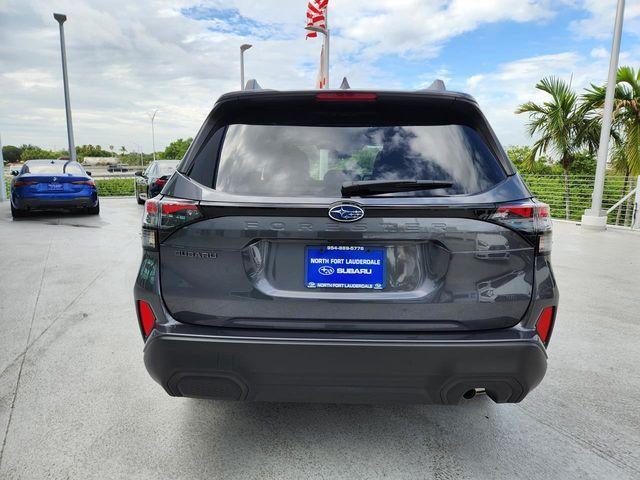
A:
x,y
316,15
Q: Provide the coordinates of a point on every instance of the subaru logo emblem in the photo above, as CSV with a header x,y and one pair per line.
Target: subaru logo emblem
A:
x,y
326,271
346,212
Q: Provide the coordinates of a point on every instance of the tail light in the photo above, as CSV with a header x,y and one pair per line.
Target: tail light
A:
x,y
91,183
23,183
146,317
531,218
161,182
544,327
166,214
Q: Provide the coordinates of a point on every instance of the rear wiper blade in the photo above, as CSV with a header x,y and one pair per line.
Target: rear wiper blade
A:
x,y
380,187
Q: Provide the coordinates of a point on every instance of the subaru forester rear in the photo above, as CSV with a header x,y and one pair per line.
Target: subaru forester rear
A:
x,y
346,246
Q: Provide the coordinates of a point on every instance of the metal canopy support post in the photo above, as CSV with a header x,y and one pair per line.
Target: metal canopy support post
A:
x,y
60,18
594,218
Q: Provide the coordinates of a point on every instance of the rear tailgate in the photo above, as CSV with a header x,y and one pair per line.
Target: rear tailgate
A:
x,y
268,167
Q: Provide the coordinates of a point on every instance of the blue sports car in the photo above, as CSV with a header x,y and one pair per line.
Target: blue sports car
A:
x,y
52,184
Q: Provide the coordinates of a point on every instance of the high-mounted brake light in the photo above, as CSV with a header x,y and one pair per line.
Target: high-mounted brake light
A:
x,y
544,327
346,97
531,218
146,317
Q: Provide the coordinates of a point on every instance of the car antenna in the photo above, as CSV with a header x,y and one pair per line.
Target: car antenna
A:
x,y
437,86
252,85
345,84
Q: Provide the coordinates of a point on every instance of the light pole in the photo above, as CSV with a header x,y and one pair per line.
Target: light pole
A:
x,y
593,218
326,46
3,188
60,18
152,116
243,48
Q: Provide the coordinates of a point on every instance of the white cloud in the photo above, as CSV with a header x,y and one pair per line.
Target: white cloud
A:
x,y
599,52
511,84
601,16
127,58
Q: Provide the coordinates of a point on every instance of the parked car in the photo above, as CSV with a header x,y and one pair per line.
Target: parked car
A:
x,y
53,184
118,167
336,246
150,182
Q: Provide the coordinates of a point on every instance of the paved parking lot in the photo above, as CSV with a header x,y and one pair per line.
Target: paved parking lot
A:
x,y
76,402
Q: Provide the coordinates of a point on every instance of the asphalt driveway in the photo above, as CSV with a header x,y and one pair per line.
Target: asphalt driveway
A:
x,y
76,402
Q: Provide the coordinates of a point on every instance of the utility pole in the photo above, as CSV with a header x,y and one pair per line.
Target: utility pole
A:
x,y
60,18
153,132
594,218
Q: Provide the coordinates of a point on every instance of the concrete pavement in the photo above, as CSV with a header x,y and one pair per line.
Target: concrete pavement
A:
x,y
76,402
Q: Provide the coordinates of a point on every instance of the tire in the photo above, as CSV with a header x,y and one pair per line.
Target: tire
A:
x,y
138,199
94,210
17,213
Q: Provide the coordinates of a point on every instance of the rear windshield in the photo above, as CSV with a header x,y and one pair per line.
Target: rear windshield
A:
x,y
167,168
278,160
55,168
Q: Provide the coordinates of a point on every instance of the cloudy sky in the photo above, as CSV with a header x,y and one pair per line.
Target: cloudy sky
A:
x,y
128,58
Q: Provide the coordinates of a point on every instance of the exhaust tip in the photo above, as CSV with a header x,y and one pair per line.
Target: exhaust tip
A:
x,y
469,394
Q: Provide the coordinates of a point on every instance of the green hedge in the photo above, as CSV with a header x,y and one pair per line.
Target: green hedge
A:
x,y
115,187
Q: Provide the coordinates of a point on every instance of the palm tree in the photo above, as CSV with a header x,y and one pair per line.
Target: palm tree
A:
x,y
560,127
626,112
626,122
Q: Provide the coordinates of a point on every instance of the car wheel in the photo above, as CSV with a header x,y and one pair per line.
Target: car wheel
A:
x,y
94,210
17,213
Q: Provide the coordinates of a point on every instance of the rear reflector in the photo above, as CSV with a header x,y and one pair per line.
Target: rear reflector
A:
x,y
346,97
146,317
544,327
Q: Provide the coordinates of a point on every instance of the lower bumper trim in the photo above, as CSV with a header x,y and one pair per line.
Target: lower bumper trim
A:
x,y
343,372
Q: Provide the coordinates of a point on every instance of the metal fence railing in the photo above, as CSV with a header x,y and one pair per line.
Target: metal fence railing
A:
x,y
547,188
551,189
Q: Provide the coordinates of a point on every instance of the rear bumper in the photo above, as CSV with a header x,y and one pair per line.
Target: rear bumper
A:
x,y
343,371
46,202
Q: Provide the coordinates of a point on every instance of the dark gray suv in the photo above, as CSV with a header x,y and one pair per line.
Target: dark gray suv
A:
x,y
346,246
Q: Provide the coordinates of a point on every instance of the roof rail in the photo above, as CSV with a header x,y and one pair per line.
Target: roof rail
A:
x,y
252,85
437,86
345,84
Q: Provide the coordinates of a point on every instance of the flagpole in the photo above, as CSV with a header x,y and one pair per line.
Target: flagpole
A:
x,y
327,41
